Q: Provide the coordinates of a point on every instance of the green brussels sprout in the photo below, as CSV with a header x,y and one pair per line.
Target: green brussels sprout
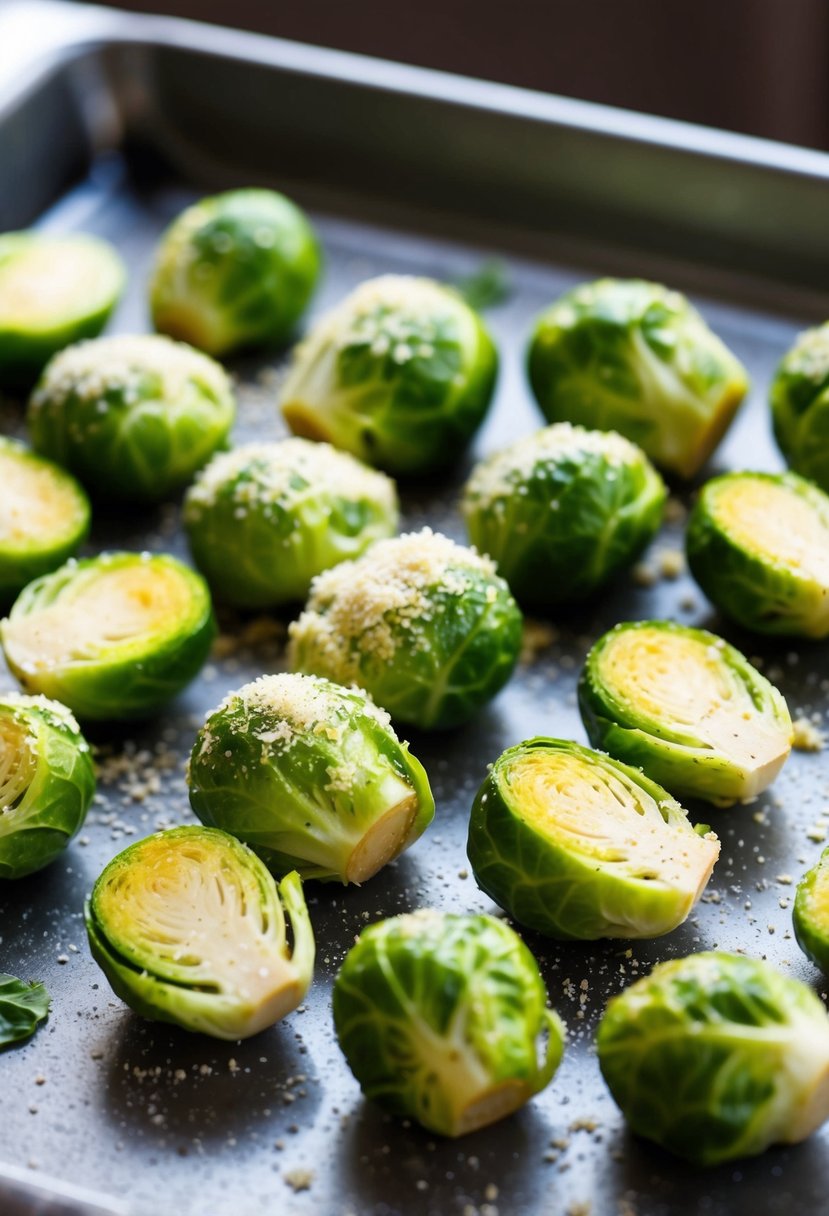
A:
x,y
800,405
189,927
44,517
132,417
401,374
562,511
112,637
717,1056
53,290
758,545
811,912
442,1018
311,776
234,270
634,357
423,624
687,708
47,780
578,846
263,519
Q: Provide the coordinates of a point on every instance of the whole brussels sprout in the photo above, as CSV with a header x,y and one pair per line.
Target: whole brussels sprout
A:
x,y
234,270
562,511
132,417
687,708
758,545
263,519
800,405
311,776
634,357
112,637
401,374
717,1056
441,1018
811,913
47,780
188,927
44,517
575,845
53,290
424,625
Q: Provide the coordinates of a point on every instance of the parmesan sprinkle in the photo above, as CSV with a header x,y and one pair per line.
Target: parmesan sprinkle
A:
x,y
807,737
810,355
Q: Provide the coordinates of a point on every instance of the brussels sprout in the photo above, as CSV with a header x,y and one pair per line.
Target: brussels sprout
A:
x,y
311,776
562,511
401,374
132,417
234,270
264,519
758,545
188,927
44,517
687,708
441,1017
634,357
46,782
575,845
53,291
112,637
811,912
800,405
424,625
717,1056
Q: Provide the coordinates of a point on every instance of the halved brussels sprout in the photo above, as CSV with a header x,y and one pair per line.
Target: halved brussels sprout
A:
x,y
44,517
811,913
234,270
53,290
443,1018
401,374
132,417
263,519
112,637
188,927
800,405
717,1056
634,357
424,625
758,545
47,780
563,510
310,775
687,708
575,845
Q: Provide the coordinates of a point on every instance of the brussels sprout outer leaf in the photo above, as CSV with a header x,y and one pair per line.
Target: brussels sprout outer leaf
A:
x,y
687,708
811,913
23,1006
439,1018
758,545
578,846
800,406
717,1056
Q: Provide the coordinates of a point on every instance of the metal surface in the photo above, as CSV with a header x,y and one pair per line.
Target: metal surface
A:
x,y
166,1122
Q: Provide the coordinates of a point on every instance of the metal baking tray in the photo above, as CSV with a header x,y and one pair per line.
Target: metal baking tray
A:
x,y
111,122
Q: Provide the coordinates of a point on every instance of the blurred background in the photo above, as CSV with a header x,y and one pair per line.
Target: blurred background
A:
x,y
755,66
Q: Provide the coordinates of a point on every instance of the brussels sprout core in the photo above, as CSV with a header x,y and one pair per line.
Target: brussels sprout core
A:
x,y
758,545
311,776
441,1017
686,707
113,636
44,516
800,405
575,845
717,1056
189,928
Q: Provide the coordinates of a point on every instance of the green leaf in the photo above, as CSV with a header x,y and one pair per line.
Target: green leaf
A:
x,y
486,287
22,1006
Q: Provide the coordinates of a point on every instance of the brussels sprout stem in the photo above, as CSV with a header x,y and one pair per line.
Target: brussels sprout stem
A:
x,y
383,840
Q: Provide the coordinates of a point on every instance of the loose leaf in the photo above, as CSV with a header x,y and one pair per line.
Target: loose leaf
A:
x,y
22,1006
486,287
